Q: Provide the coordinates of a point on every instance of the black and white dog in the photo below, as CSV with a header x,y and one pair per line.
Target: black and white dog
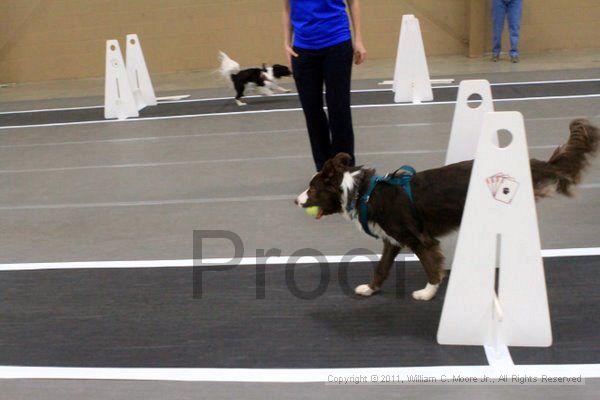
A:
x,y
263,80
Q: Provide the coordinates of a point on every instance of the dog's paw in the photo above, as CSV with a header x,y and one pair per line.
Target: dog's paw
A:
x,y
364,290
427,293
240,103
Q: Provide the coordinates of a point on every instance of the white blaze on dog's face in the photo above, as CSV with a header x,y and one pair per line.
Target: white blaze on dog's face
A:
x,y
302,198
324,190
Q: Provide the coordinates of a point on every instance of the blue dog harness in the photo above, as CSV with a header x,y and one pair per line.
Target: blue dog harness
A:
x,y
390,179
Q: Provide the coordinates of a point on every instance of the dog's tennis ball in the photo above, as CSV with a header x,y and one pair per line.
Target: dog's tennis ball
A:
x,y
312,211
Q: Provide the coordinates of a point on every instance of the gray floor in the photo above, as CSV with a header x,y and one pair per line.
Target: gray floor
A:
x,y
137,190
99,390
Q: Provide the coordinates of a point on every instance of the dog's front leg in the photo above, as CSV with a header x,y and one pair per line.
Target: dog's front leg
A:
x,y
265,91
388,256
280,89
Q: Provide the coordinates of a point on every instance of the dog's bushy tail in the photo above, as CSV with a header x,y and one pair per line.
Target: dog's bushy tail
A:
x,y
567,164
228,67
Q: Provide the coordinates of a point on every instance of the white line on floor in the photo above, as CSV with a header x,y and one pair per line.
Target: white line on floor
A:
x,y
225,160
157,138
544,82
244,261
297,375
202,200
590,186
295,94
206,99
256,132
495,101
104,121
498,357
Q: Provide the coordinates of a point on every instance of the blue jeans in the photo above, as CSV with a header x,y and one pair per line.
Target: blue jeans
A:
x,y
510,9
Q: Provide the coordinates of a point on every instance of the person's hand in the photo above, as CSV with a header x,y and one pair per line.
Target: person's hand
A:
x,y
360,53
289,53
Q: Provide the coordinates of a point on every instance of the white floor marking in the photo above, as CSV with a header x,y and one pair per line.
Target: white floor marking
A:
x,y
176,97
574,252
142,119
38,110
166,101
112,121
153,138
294,375
225,160
499,363
495,101
545,82
243,133
498,358
147,203
590,186
252,261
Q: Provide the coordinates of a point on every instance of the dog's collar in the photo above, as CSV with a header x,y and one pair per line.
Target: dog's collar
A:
x,y
403,181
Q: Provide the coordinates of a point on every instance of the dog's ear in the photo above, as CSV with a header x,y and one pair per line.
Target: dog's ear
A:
x,y
336,166
342,161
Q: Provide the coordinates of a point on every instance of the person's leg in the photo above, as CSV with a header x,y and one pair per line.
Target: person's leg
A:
x,y
498,16
308,74
338,71
514,12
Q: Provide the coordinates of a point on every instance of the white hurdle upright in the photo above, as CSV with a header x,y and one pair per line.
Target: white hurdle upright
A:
x,y
411,75
137,71
467,120
118,97
499,229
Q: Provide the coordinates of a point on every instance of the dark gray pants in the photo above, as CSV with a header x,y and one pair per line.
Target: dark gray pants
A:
x,y
332,66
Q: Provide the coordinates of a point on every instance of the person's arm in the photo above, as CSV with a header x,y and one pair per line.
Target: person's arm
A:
x,y
360,53
287,33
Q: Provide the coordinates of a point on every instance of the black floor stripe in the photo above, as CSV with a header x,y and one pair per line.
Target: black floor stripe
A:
x,y
148,318
574,304
513,91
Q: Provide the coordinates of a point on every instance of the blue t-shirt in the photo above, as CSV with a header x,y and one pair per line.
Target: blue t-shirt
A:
x,y
319,23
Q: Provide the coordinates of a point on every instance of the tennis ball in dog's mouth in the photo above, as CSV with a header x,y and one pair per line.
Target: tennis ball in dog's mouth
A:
x,y
312,211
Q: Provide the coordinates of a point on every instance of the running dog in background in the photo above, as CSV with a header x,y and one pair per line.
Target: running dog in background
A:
x,y
438,200
264,80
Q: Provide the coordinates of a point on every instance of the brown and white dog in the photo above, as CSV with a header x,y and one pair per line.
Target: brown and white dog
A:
x,y
439,196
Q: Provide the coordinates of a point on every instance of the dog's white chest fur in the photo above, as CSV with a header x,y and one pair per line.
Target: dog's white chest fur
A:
x,y
378,231
347,187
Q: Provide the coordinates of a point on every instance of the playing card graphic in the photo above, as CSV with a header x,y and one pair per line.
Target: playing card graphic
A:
x,y
503,187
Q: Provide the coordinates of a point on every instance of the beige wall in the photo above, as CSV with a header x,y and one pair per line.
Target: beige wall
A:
x,y
555,24
58,39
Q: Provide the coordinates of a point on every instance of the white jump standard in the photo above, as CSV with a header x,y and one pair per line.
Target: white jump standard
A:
x,y
499,229
137,71
411,75
468,120
118,97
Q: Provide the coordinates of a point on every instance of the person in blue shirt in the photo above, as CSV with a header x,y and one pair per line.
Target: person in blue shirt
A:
x,y
510,10
319,48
